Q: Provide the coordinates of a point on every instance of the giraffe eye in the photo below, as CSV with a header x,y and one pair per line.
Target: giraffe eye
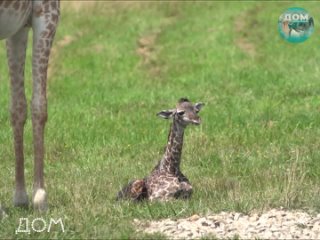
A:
x,y
181,112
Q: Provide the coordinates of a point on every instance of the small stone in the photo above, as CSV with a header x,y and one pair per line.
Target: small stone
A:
x,y
180,220
274,228
205,224
202,219
254,217
216,224
232,229
301,225
237,216
169,222
194,217
286,236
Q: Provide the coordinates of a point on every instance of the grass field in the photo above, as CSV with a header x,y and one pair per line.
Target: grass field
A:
x,y
116,64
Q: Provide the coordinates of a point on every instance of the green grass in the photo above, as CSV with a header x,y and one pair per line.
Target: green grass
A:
x,y
258,146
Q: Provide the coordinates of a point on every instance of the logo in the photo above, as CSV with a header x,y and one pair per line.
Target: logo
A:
x,y
295,25
38,225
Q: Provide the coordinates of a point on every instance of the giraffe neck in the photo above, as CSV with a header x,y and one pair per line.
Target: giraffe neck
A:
x,y
171,159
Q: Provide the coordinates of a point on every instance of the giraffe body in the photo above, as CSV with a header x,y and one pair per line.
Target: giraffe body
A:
x,y
16,18
166,186
166,180
13,16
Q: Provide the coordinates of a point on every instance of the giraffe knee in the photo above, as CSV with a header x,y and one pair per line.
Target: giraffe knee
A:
x,y
18,113
39,111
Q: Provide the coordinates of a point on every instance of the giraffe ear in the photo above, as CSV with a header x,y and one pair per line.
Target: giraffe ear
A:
x,y
166,114
198,106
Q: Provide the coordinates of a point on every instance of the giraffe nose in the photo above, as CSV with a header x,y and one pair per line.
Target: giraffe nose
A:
x,y
196,121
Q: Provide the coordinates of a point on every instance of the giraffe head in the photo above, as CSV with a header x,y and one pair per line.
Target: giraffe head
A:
x,y
185,112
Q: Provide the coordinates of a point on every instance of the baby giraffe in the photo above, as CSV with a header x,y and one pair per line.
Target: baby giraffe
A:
x,y
166,180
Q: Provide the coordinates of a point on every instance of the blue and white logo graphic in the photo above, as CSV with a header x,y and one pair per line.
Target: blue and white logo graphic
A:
x,y
295,25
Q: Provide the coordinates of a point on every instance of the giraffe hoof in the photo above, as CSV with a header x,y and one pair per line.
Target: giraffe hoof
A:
x,y
40,200
21,199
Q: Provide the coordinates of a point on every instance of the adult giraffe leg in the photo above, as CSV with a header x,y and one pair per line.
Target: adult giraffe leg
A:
x,y
44,22
16,51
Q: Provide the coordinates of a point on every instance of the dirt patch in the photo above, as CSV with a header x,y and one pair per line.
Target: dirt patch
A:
x,y
67,40
58,46
77,5
246,46
110,6
243,26
148,52
54,51
148,48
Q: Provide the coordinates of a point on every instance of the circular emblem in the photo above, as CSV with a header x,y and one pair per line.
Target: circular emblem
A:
x,y
295,25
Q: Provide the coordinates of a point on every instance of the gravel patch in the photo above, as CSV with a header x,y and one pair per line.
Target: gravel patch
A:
x,y
274,224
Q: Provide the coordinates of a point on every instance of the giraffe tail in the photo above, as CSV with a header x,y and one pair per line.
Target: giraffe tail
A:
x,y
135,190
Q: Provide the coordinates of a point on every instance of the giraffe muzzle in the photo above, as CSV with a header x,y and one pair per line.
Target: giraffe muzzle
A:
x,y
196,122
